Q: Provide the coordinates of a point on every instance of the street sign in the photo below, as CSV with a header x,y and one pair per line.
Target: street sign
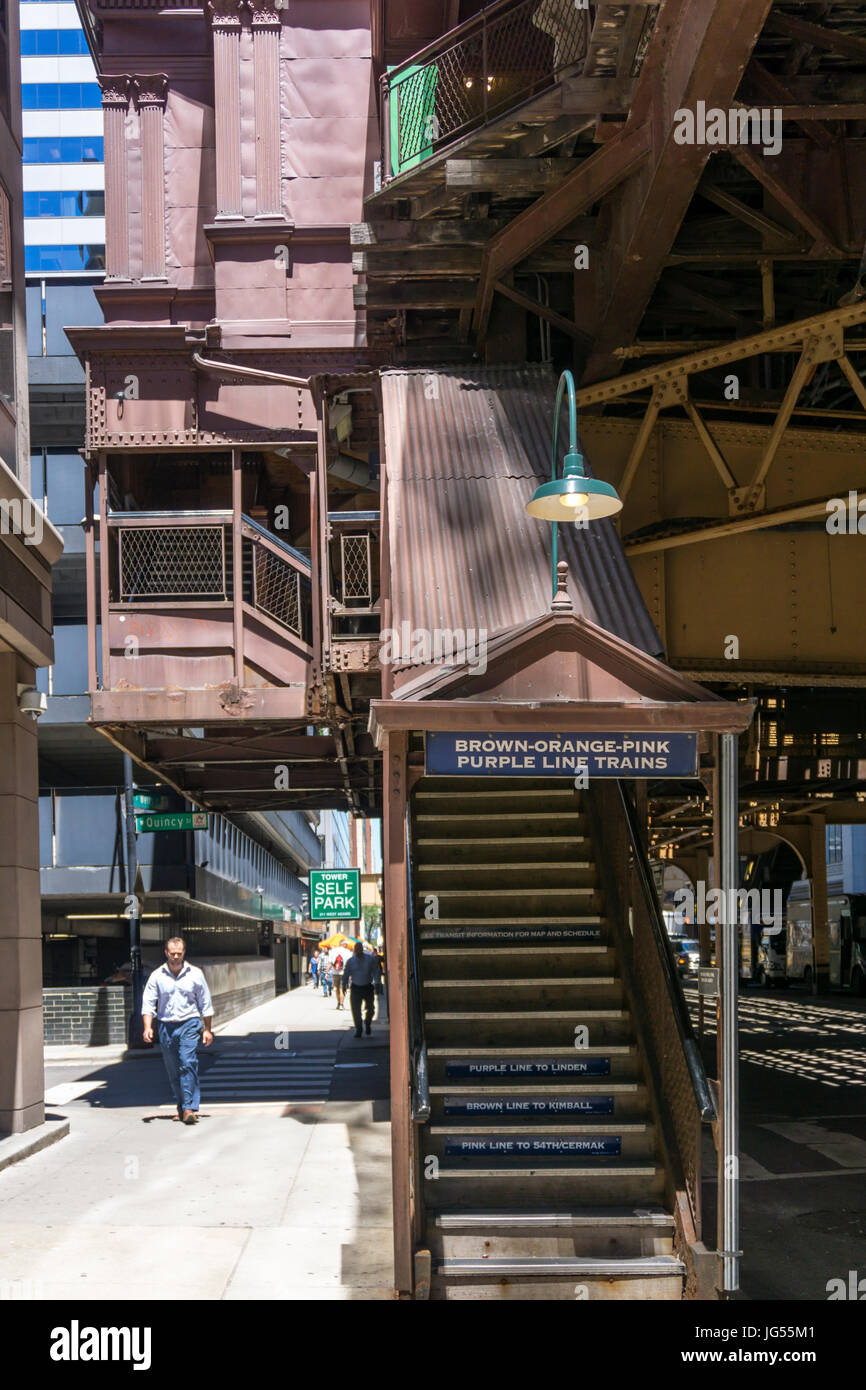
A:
x,y
561,755
150,801
708,981
335,893
172,820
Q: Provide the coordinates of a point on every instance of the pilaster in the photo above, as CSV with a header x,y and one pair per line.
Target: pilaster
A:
x,y
225,20
115,107
150,98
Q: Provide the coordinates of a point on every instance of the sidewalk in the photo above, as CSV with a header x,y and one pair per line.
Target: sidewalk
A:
x,y
273,1199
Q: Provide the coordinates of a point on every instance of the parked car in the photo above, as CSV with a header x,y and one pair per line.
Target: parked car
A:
x,y
687,954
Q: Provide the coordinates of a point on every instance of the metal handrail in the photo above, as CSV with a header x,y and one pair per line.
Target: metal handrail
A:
x,y
703,1094
485,67
417,1040
297,557
289,560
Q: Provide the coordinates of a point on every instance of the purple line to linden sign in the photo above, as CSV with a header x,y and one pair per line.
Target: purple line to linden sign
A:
x,y
561,755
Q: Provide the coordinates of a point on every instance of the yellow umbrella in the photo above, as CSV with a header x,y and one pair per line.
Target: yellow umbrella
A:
x,y
340,939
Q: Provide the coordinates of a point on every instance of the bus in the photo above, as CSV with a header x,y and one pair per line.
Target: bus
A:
x,y
846,914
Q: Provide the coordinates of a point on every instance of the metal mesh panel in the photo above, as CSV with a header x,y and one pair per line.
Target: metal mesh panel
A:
x,y
277,588
661,1039
162,562
505,60
355,556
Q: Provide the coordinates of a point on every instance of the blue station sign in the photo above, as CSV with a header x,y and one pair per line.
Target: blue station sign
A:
x,y
561,755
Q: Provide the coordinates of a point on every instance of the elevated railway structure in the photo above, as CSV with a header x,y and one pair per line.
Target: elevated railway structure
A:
x,y
349,247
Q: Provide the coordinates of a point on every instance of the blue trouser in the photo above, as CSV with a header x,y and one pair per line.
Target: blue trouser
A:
x,y
179,1042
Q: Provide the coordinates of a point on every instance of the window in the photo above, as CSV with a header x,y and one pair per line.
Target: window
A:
x,y
834,844
4,59
46,43
7,305
55,259
66,149
64,203
60,96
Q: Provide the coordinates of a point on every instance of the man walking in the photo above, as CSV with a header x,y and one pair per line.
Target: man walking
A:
x,y
362,973
178,995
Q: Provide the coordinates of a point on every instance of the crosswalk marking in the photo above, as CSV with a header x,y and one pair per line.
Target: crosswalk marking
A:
x,y
256,1076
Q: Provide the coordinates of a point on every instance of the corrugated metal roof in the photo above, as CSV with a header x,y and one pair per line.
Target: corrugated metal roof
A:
x,y
465,450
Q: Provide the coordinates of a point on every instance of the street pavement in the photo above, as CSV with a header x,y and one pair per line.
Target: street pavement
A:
x,y
802,1141
282,1191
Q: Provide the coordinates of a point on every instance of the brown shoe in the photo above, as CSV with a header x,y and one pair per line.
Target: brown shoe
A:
x,y
190,1117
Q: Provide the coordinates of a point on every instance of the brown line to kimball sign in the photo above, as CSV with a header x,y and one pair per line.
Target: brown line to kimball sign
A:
x,y
562,755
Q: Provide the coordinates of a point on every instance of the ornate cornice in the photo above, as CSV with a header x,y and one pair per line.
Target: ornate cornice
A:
x,y
150,90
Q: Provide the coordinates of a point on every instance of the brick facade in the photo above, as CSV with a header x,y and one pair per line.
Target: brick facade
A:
x,y
95,1015
91,1014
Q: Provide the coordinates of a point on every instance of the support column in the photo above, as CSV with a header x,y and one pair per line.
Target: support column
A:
x,y
225,20
22,1091
115,109
150,95
820,911
728,948
238,566
396,945
266,67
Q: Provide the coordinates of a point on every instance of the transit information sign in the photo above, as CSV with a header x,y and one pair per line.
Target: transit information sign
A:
x,y
172,820
562,755
335,893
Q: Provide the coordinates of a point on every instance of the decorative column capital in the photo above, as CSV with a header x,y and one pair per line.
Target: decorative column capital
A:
x,y
115,91
150,90
264,14
225,14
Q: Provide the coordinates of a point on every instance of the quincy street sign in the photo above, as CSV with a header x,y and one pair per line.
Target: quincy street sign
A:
x,y
335,893
172,820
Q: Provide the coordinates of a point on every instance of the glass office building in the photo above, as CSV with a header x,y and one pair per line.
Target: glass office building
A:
x,y
64,177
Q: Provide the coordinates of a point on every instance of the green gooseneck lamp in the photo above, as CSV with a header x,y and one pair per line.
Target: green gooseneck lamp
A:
x,y
574,496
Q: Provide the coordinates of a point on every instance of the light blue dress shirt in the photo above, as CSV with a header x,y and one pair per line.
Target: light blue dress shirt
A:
x,y
175,998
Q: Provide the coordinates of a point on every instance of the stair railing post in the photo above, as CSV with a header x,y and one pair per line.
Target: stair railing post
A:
x,y
727,945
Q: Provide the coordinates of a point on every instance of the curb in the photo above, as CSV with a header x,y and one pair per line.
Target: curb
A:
x,y
16,1147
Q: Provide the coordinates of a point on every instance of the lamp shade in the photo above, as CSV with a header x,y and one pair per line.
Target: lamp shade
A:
x,y
574,496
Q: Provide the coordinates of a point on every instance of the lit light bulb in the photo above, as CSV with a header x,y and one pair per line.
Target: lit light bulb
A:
x,y
573,500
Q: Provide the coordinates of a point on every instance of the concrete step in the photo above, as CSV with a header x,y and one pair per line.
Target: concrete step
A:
x,y
588,928
623,1101
510,1067
496,1028
504,961
491,799
537,849
643,1278
527,899
597,1232
548,992
441,825
579,874
538,1145
594,1183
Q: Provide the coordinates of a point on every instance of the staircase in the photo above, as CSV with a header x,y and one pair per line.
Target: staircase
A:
x,y
549,1176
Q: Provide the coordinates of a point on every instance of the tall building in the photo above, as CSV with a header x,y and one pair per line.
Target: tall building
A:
x,y
226,886
28,547
64,176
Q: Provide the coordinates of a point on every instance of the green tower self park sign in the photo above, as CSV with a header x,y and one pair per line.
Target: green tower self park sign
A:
x,y
335,893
